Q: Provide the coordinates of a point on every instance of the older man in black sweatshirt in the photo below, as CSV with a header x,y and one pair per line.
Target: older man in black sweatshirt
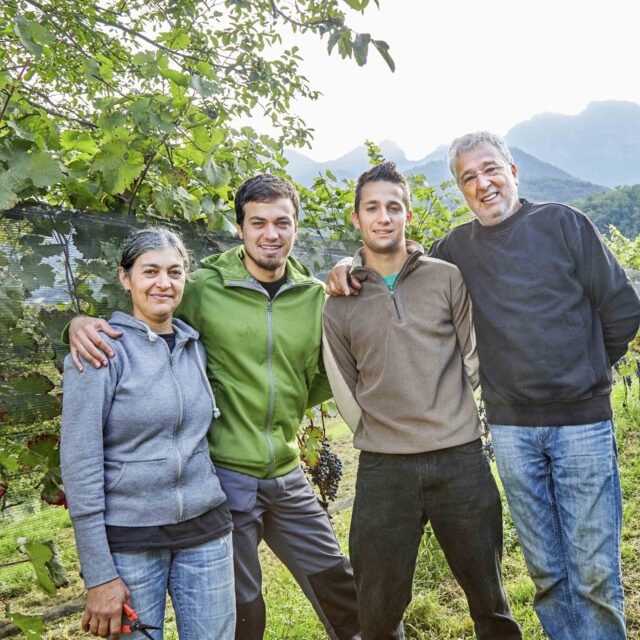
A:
x,y
553,310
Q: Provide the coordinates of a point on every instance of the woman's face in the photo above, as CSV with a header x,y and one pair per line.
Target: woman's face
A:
x,y
156,282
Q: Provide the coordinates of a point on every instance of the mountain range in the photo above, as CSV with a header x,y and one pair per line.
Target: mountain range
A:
x,y
559,157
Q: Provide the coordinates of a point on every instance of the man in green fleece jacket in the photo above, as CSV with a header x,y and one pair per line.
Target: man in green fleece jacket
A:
x,y
403,377
259,314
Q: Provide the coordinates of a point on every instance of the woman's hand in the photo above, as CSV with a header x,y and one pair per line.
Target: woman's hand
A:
x,y
103,613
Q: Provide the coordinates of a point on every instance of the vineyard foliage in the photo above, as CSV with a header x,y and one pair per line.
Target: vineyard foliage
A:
x,y
128,111
138,106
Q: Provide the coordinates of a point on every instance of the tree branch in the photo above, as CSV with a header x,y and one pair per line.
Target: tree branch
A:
x,y
12,90
329,22
58,114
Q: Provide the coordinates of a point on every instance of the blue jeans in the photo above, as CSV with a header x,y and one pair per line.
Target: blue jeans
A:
x,y
563,490
199,580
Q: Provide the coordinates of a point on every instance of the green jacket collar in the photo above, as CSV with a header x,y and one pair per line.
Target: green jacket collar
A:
x,y
231,267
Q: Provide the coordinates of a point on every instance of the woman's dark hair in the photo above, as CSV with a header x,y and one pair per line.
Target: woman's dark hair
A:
x,y
151,239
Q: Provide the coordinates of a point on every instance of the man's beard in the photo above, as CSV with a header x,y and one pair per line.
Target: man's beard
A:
x,y
268,265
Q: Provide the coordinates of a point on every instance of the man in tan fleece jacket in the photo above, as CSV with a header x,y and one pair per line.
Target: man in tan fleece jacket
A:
x,y
402,374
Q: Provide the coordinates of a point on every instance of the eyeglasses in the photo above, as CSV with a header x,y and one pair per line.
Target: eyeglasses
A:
x,y
490,171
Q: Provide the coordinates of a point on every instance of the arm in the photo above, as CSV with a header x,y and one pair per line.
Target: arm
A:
x,y
608,288
87,399
463,324
320,388
82,334
339,280
341,367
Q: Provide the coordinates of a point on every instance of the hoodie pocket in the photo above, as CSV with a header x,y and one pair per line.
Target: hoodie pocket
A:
x,y
113,472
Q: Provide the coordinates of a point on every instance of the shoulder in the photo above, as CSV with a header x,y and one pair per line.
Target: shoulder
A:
x,y
200,277
566,220
558,210
335,307
460,235
435,267
431,263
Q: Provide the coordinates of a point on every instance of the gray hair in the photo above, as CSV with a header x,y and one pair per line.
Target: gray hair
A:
x,y
471,140
151,239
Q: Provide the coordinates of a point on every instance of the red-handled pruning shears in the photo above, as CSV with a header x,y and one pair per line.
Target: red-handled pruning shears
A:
x,y
135,625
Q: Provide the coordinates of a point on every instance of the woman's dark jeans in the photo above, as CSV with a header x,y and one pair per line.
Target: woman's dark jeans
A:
x,y
396,495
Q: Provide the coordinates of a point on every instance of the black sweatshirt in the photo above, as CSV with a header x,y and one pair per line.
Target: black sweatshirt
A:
x,y
553,310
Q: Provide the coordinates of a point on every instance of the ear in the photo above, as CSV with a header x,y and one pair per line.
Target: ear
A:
x,y
514,172
409,216
239,229
124,278
355,220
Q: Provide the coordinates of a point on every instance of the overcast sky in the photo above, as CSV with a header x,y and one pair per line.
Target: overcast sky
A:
x,y
463,65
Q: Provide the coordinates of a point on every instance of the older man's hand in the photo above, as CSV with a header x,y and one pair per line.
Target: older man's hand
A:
x,y
340,282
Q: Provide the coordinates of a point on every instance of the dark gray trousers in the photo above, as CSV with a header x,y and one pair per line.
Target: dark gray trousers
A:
x,y
396,495
285,512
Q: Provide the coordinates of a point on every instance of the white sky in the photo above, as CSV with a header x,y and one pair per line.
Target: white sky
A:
x,y
463,65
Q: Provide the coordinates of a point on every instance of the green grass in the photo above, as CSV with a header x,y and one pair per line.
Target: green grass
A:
x,y
438,610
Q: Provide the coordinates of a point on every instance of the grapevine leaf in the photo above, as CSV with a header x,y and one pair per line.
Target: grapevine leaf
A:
x,y
31,626
8,197
40,554
32,35
44,170
216,175
8,462
119,167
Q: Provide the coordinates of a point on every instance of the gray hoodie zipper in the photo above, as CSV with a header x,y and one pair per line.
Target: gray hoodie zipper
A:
x,y
178,425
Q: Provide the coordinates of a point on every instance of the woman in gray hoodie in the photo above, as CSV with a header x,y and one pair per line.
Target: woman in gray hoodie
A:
x,y
148,512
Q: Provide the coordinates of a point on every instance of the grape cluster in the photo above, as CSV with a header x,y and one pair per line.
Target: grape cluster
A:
x,y
327,472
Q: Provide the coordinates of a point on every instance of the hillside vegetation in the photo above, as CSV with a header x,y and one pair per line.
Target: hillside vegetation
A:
x,y
619,207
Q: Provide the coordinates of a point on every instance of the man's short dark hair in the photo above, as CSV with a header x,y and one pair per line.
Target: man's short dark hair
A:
x,y
265,187
384,172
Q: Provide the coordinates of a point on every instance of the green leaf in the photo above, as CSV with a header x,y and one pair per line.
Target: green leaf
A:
x,y
79,141
32,626
34,383
202,86
8,197
8,462
119,167
383,50
40,554
361,48
181,79
32,35
216,175
44,170
358,5
333,40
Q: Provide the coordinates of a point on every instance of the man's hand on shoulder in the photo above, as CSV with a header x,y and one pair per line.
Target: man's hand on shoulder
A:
x,y
86,342
340,282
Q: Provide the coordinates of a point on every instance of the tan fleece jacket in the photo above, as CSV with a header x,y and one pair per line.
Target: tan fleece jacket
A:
x,y
402,364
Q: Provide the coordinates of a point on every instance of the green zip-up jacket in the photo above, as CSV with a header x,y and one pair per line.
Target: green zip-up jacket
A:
x,y
263,360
